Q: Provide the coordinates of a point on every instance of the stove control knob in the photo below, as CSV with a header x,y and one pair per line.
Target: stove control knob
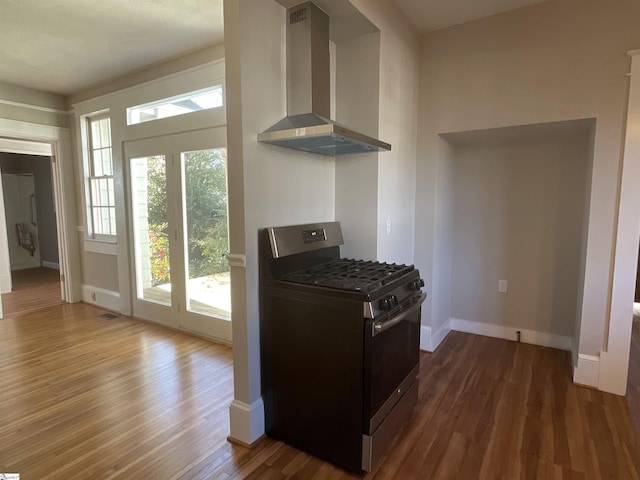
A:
x,y
393,299
416,284
385,304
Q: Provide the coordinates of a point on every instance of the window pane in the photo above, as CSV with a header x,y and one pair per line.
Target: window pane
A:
x,y
107,164
206,232
151,229
179,105
97,163
112,216
105,131
101,192
104,192
95,190
105,218
95,135
111,201
96,220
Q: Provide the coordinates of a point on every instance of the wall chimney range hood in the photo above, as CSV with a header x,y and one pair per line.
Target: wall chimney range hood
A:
x,y
307,125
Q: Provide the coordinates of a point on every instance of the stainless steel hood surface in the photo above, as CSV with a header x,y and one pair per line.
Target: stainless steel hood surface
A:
x,y
307,126
316,134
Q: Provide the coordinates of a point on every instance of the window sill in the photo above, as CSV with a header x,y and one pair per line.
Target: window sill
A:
x,y
100,246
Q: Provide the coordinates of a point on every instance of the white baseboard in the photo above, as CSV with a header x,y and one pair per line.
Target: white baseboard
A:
x,y
247,421
587,371
100,297
47,264
509,333
429,340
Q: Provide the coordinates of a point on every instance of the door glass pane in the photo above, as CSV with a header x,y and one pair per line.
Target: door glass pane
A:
x,y
151,228
206,231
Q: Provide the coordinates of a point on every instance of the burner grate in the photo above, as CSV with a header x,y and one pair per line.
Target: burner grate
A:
x,y
350,274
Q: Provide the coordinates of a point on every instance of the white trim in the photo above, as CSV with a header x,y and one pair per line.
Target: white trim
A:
x,y
154,81
35,107
237,260
430,341
101,297
25,147
247,421
105,248
587,371
53,265
64,195
614,359
533,337
631,53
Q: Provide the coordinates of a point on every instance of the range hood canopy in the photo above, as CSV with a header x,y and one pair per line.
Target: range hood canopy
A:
x,y
307,125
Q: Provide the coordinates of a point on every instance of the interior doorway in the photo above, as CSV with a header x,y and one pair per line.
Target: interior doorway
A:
x,y
32,264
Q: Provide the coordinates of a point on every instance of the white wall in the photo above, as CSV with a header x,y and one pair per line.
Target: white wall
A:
x,y
443,247
398,120
268,185
357,106
516,216
559,60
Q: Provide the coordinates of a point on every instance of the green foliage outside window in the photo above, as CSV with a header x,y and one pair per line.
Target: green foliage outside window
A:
x,y
205,192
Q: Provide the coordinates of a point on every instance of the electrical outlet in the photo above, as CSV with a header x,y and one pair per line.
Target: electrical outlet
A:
x,y
388,229
93,296
502,286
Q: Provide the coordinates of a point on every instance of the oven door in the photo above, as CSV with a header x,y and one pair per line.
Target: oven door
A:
x,y
391,358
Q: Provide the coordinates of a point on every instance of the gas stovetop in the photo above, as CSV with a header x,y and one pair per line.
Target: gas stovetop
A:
x,y
349,274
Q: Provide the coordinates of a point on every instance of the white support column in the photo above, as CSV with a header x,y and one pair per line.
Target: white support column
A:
x,y
614,361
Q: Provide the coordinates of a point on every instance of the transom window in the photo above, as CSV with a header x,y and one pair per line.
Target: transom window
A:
x,y
101,198
179,105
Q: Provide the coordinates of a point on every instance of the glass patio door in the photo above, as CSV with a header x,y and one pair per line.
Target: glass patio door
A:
x,y
179,225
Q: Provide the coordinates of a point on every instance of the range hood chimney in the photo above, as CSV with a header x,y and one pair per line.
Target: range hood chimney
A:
x,y
307,125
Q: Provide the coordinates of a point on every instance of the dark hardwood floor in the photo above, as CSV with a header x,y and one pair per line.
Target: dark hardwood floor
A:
x,y
83,397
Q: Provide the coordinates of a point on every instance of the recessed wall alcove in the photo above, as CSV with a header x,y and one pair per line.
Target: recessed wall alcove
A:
x,y
512,205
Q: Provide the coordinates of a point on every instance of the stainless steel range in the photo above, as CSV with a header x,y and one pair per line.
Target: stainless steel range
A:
x,y
339,344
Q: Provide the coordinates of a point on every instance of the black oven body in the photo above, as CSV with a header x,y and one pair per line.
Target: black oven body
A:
x,y
335,383
312,376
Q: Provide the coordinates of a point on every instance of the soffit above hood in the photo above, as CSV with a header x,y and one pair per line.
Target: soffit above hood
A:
x,y
307,125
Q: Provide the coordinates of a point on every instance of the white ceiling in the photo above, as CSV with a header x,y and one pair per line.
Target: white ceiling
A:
x,y
429,15
65,46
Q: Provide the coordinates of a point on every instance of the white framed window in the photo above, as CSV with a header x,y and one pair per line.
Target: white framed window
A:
x,y
101,206
204,99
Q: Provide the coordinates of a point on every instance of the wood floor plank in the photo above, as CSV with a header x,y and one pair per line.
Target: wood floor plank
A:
x,y
32,289
82,397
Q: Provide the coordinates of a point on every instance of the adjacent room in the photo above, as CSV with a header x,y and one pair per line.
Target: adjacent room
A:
x,y
30,219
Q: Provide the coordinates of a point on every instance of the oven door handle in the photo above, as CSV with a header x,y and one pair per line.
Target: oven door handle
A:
x,y
383,325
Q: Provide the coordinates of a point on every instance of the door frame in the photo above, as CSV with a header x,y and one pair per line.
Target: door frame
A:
x,y
62,176
165,146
